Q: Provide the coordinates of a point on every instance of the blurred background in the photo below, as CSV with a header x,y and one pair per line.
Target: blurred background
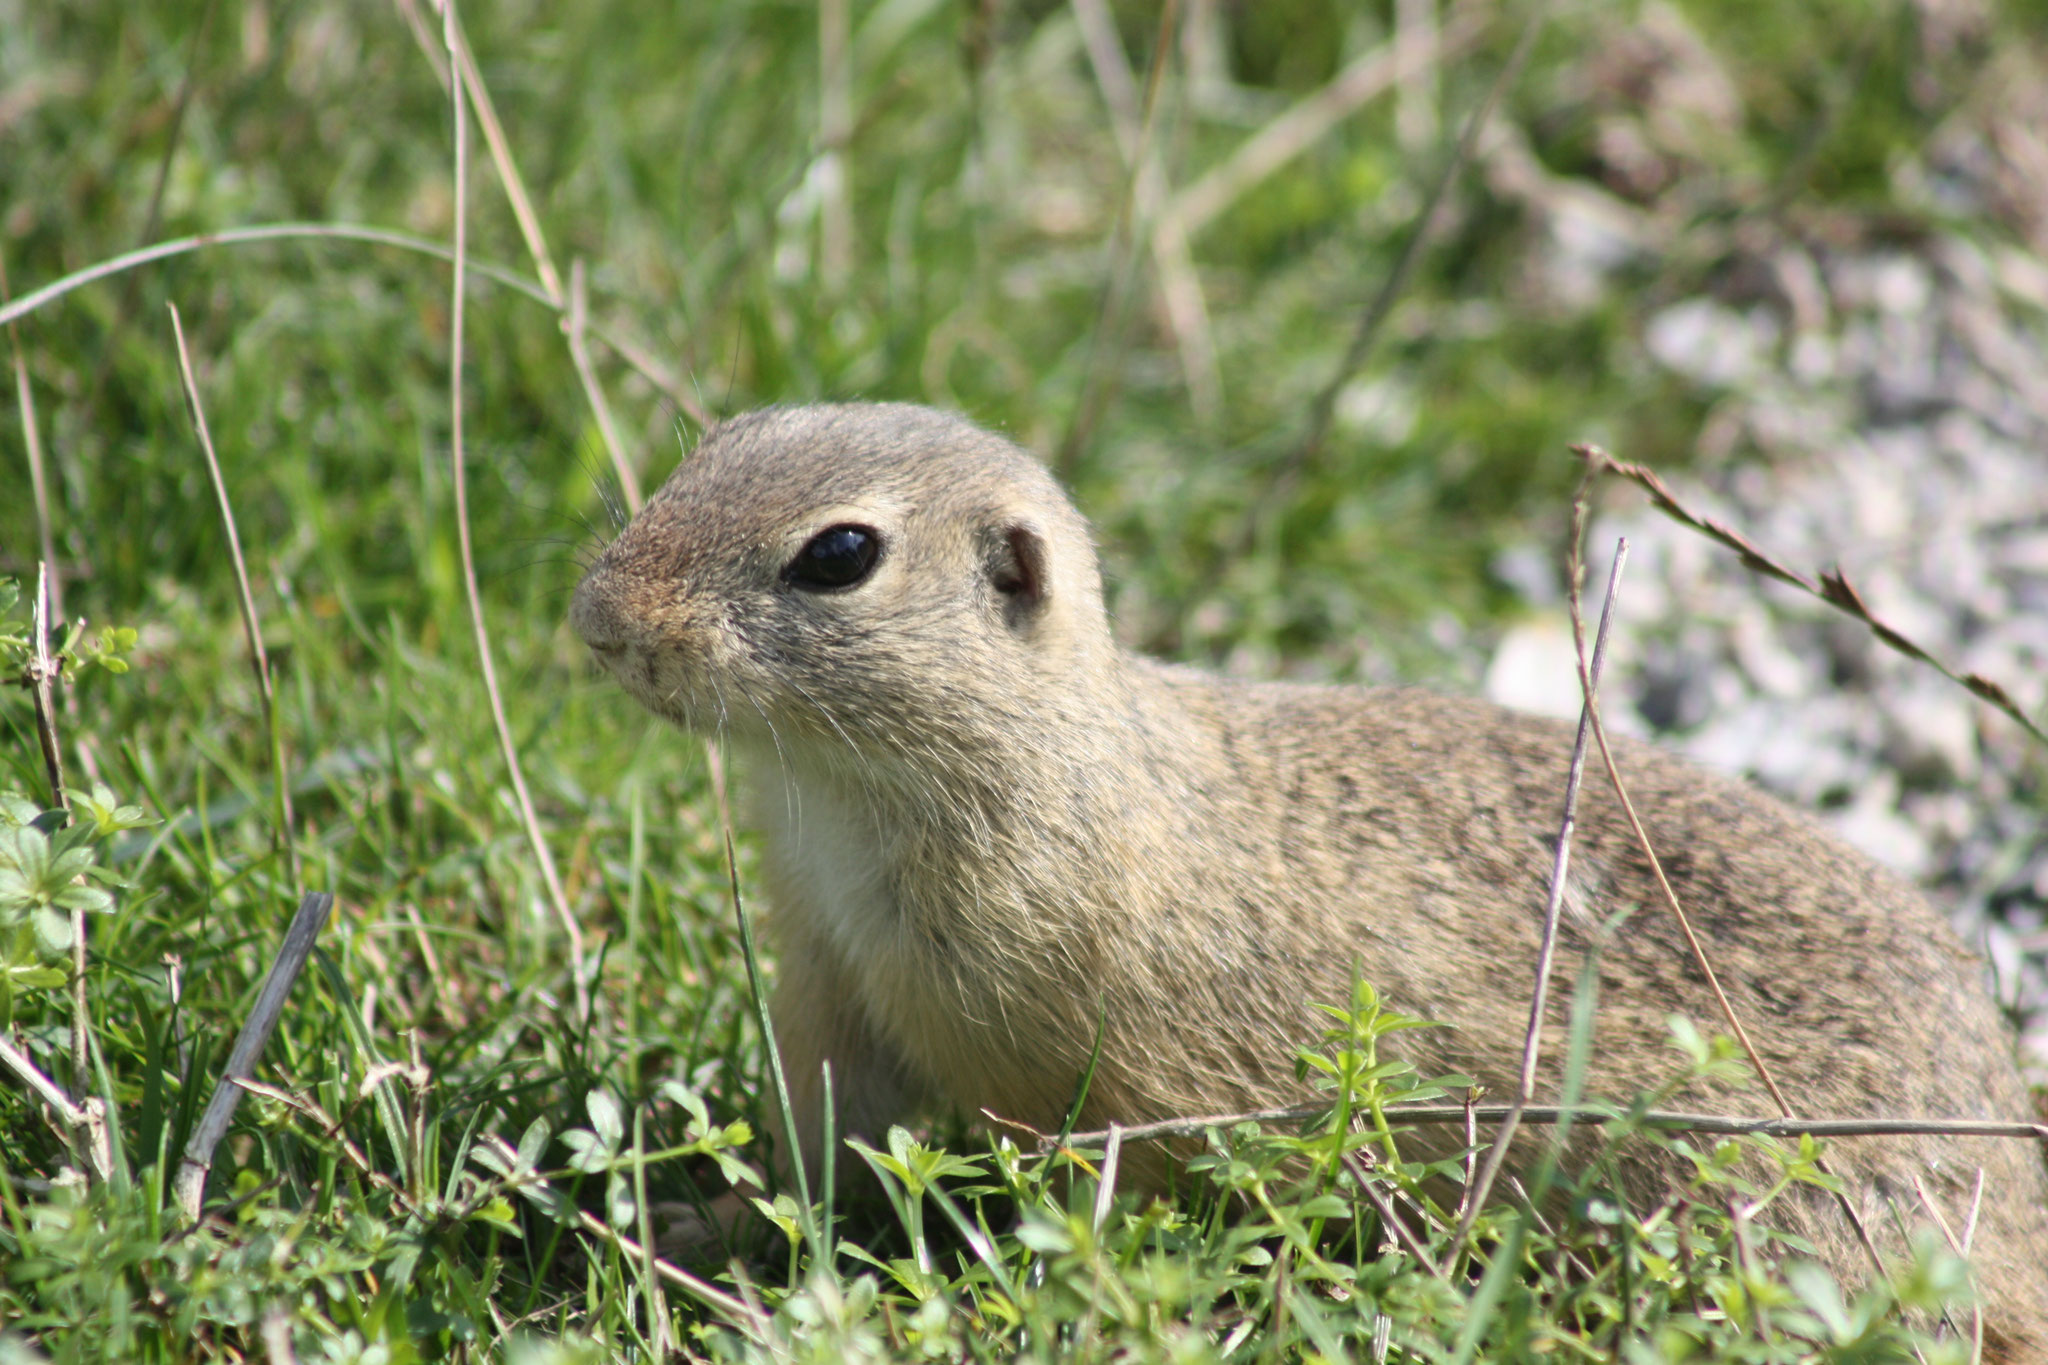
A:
x,y
1795,256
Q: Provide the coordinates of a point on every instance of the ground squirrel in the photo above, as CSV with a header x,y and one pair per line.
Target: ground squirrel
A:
x,y
987,826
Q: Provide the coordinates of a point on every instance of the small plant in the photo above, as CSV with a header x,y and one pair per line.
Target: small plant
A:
x,y
49,872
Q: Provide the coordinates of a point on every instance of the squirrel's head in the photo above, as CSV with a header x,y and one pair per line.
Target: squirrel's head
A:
x,y
879,578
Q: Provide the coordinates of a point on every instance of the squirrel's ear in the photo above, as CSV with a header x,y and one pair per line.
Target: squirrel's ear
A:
x,y
1020,570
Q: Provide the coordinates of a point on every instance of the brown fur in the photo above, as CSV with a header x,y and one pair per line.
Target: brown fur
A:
x,y
985,822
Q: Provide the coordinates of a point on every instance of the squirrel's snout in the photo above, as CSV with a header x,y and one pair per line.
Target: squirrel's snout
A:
x,y
594,618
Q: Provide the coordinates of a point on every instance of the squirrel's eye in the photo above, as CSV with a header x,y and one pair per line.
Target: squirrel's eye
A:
x,y
837,557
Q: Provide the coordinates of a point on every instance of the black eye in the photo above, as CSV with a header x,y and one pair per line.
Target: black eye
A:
x,y
837,557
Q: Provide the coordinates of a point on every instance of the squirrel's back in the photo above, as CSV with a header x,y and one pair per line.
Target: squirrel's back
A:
x,y
990,832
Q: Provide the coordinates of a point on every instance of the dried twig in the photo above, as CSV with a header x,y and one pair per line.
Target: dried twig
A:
x,y
1105,1188
1684,921
332,1129
1388,1218
52,1094
705,1293
550,878
1471,1148
252,630
299,938
1543,1114
85,1126
1560,867
1832,586
42,683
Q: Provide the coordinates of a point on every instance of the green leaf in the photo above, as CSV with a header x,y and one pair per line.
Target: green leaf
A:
x,y
533,1143
588,1152
1823,1298
498,1213
53,931
84,896
605,1118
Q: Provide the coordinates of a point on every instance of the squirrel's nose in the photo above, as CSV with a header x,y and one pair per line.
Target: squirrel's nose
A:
x,y
594,618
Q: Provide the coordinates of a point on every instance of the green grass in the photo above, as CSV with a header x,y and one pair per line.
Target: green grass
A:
x,y
665,146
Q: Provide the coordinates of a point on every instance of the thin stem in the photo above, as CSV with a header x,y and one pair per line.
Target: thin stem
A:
x,y
569,304
252,630
84,1124
534,838
43,672
501,153
634,355
1598,463
1560,868
758,993
575,323
1099,370
1667,1120
31,437
47,1090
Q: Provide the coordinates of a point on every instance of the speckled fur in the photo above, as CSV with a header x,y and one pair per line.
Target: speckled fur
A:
x,y
985,822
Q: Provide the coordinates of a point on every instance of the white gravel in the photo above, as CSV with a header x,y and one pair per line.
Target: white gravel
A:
x,y
1886,411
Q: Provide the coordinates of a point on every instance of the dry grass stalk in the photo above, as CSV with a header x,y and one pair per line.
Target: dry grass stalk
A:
x,y
252,630
508,1158
550,878
635,355
1105,1188
423,36
82,1125
1180,285
31,439
1105,345
1474,1199
1699,953
1667,1120
261,232
1831,587
1391,1221
574,325
463,62
42,683
1299,128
